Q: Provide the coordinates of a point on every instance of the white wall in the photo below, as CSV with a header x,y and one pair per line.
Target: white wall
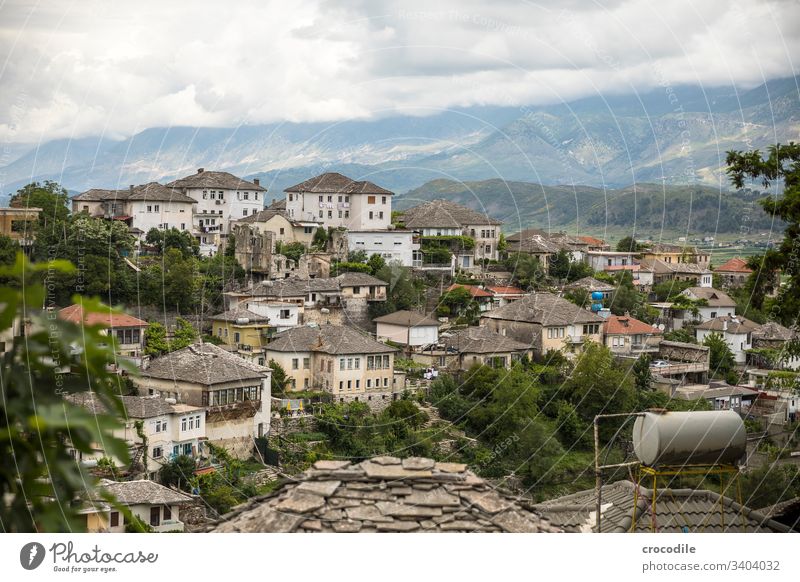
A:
x,y
154,214
737,342
391,245
420,335
354,209
273,311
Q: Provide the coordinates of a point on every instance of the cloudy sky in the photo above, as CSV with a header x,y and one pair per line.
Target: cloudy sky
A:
x,y
89,67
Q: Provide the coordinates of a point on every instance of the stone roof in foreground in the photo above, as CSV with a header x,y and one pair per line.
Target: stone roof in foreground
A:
x,y
678,510
385,494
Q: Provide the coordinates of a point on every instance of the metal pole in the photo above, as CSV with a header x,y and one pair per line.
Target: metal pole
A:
x,y
598,474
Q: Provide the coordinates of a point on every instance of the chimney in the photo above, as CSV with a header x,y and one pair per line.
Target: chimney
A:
x,y
256,181
725,325
131,188
200,170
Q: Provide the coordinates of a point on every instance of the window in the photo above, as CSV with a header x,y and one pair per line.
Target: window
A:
x,y
295,364
307,229
191,423
358,384
183,424
555,332
213,195
369,383
370,363
320,199
386,362
306,363
341,363
591,328
246,196
167,509
347,214
282,230
183,224
158,452
370,199
244,212
341,386
114,522
357,363
383,200
291,198
370,215
330,213
321,214
149,208
713,314
187,450
340,214
236,337
349,363
155,516
356,290
205,195
284,314
385,382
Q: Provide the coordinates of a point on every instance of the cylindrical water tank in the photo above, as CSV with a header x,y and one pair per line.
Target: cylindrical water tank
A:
x,y
597,295
680,438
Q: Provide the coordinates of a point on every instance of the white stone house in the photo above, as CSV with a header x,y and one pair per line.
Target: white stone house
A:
x,y
338,201
221,197
408,328
443,218
735,330
142,207
156,505
337,359
234,392
395,246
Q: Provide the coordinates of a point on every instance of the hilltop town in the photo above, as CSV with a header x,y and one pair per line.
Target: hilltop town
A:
x,y
321,336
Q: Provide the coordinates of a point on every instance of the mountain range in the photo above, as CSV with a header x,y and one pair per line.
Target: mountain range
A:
x,y
587,153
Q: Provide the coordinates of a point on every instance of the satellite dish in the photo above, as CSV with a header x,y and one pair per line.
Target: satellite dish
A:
x,y
661,326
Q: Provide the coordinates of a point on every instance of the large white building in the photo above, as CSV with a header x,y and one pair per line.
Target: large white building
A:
x,y
338,201
142,207
221,197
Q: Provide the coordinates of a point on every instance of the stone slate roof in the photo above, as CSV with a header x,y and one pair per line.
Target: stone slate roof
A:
x,y
143,492
591,284
205,364
263,216
223,180
734,265
714,297
293,287
151,191
660,267
328,339
135,406
352,279
543,308
444,214
385,494
74,314
735,324
481,340
408,318
233,315
774,331
697,511
473,290
335,183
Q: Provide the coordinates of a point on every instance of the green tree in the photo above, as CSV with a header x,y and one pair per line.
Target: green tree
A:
x,y
320,239
562,267
155,339
643,378
628,244
781,165
179,472
185,335
37,423
173,239
598,385
721,357
293,251
526,270
279,378
685,335
8,250
376,263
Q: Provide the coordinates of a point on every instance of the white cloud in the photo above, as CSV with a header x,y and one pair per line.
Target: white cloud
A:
x,y
116,68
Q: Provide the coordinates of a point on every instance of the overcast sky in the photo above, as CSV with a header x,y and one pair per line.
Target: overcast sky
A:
x,y
114,68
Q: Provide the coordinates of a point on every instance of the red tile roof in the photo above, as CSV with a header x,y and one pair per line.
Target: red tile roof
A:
x,y
625,324
735,265
590,240
474,290
503,290
74,313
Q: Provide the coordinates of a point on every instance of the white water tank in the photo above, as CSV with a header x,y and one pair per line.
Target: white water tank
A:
x,y
680,438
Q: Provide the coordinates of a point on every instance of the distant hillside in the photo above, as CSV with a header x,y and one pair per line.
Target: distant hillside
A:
x,y
676,138
645,209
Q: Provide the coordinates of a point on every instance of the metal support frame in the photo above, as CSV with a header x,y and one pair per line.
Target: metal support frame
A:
x,y
679,470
